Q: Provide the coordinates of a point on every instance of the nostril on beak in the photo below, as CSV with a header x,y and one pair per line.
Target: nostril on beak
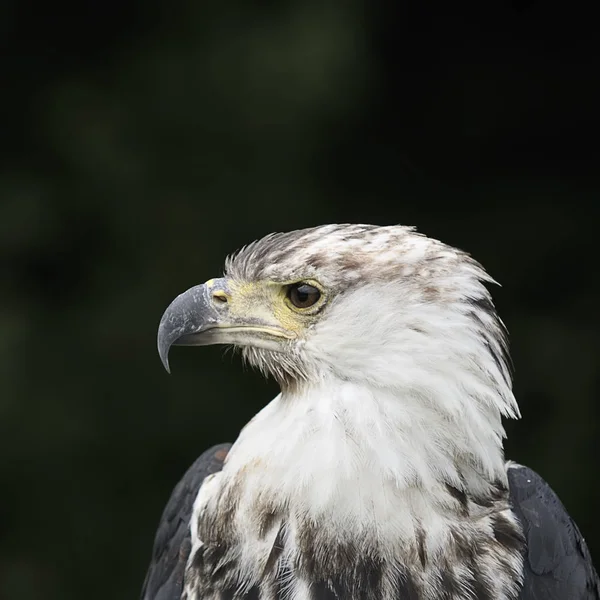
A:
x,y
220,297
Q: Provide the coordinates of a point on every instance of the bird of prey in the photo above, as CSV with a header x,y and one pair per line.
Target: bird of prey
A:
x,y
378,472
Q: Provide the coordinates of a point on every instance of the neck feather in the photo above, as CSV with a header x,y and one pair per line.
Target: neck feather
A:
x,y
331,447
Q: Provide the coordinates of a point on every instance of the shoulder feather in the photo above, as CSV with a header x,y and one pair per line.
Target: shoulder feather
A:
x,y
558,564
164,579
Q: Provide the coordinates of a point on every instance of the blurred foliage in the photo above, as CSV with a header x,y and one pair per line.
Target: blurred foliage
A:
x,y
143,142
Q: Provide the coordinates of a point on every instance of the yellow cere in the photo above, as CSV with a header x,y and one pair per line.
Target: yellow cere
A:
x,y
264,300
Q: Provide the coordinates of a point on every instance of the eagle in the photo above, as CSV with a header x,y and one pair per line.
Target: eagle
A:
x,y
378,472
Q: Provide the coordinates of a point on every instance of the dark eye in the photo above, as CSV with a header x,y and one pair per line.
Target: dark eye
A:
x,y
303,295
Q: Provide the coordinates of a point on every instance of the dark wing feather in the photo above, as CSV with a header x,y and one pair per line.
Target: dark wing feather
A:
x,y
164,580
558,565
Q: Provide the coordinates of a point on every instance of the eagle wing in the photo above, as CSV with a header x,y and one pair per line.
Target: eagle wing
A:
x,y
164,579
558,565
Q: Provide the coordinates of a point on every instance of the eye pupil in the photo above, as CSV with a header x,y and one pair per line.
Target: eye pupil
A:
x,y
303,295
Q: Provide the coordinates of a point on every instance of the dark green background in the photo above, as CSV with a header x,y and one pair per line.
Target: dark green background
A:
x,y
142,142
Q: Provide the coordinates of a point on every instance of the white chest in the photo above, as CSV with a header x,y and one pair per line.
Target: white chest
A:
x,y
343,499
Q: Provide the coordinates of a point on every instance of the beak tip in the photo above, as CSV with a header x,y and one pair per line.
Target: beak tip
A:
x,y
163,352
164,357
185,315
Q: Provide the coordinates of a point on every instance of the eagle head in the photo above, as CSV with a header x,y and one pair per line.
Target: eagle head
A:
x,y
383,306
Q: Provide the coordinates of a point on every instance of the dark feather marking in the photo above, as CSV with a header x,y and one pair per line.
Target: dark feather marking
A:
x,y
350,262
421,546
198,560
499,357
319,590
369,575
507,534
276,551
481,586
497,493
213,567
450,587
431,293
433,257
233,593
224,568
359,580
252,594
217,526
281,582
341,571
267,522
465,548
499,353
461,497
484,304
406,586
284,254
317,260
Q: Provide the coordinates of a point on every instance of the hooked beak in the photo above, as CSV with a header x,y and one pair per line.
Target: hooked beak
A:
x,y
207,314
190,314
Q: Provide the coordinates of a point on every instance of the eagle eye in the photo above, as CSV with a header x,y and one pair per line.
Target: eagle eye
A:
x,y
303,295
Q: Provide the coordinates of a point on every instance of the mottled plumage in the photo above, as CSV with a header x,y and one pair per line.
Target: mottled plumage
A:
x,y
378,473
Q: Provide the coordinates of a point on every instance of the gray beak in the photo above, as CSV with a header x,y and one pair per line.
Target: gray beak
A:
x,y
213,314
186,318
